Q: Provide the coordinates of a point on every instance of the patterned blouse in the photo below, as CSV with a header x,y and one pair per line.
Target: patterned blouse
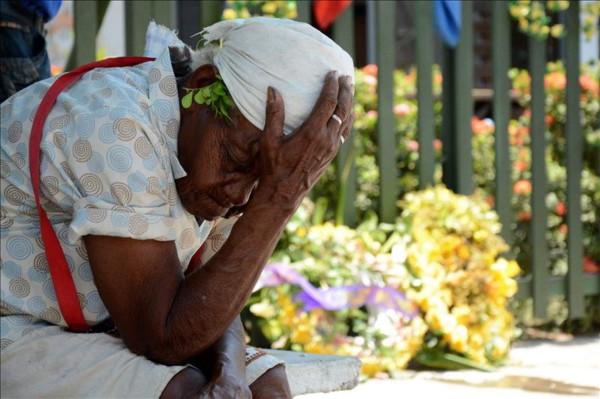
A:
x,y
109,164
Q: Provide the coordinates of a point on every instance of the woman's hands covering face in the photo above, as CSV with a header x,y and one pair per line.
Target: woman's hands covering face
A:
x,y
291,165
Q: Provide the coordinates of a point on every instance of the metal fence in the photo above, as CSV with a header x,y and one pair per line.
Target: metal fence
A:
x,y
457,69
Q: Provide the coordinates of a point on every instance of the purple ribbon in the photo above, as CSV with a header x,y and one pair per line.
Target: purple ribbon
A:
x,y
336,298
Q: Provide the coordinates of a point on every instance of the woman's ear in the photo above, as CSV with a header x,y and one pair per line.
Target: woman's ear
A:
x,y
202,76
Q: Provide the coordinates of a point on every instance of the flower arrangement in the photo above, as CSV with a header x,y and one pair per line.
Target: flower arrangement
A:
x,y
443,254
458,278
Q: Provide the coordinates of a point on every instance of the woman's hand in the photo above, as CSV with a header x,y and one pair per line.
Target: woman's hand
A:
x,y
291,165
225,385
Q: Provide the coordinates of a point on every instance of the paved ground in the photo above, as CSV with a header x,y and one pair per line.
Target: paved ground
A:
x,y
536,369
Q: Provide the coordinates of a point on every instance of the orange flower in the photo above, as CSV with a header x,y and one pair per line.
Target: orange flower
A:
x,y
437,144
589,84
555,80
370,69
521,165
549,119
563,229
522,187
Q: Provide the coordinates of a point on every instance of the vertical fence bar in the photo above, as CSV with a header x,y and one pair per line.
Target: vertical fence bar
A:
x,y
304,11
574,161
137,16
386,143
501,101
163,12
343,34
425,118
85,28
458,108
539,246
210,12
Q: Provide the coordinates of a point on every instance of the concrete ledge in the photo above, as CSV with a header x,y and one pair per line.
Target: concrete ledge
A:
x,y
311,373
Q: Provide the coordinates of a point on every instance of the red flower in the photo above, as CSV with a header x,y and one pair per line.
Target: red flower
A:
x,y
524,216
589,266
561,209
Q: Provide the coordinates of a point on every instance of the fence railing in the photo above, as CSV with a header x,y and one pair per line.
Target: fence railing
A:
x,y
457,165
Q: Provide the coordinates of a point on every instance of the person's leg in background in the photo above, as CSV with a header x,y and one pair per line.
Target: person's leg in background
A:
x,y
23,56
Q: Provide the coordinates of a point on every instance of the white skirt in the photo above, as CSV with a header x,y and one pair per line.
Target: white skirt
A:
x,y
52,363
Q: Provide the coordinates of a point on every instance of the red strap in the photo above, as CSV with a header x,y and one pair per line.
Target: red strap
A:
x,y
195,261
59,269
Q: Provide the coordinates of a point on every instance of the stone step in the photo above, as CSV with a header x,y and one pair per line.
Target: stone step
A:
x,y
312,373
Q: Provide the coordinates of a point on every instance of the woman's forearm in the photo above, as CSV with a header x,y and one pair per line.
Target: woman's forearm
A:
x,y
209,299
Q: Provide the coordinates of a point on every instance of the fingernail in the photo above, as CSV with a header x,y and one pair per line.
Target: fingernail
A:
x,y
333,73
270,95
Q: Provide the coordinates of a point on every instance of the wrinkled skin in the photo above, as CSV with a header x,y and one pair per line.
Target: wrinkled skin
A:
x,y
172,319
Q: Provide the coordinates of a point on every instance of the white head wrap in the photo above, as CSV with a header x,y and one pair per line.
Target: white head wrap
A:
x,y
291,56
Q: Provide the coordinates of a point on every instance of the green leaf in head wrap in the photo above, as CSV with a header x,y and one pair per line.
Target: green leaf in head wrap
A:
x,y
214,95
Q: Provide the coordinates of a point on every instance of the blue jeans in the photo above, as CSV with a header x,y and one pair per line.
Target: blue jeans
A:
x,y
23,56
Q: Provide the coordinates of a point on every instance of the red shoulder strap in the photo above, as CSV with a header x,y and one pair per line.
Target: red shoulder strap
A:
x,y
59,270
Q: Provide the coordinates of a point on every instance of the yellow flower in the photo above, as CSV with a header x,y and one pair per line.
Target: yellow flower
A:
x,y
302,335
229,14
292,13
371,366
269,8
263,309
458,337
244,13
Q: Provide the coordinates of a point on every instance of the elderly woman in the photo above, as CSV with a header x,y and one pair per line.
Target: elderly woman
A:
x,y
143,172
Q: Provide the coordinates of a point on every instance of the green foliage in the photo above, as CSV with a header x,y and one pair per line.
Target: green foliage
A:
x,y
536,17
254,8
216,96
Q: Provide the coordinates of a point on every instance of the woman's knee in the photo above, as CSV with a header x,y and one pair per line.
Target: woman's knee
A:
x,y
272,385
186,384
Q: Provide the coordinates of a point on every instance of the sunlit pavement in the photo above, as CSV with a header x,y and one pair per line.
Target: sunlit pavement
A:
x,y
536,369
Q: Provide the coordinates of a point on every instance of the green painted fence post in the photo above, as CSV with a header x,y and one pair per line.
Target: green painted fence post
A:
x,y
210,12
574,161
85,29
163,12
304,11
137,16
502,108
343,34
457,163
425,117
539,183
386,137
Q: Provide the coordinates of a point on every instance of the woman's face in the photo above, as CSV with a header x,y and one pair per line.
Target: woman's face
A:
x,y
221,161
